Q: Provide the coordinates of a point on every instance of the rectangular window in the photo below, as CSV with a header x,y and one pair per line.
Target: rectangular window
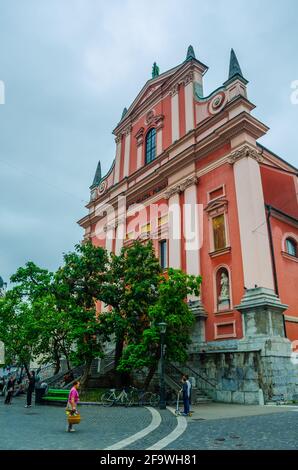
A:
x,y
163,219
219,232
146,228
216,193
163,254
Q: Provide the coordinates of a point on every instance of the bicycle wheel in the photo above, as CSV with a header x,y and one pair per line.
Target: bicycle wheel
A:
x,y
133,398
145,399
154,399
108,399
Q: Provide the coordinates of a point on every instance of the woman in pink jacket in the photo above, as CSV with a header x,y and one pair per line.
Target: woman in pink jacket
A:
x,y
72,403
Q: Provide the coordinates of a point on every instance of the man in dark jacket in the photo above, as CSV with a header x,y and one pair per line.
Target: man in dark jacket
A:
x,y
185,395
31,388
10,390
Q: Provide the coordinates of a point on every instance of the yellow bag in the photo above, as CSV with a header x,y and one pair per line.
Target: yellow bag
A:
x,y
74,418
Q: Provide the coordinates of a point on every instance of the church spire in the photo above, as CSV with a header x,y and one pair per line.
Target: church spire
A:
x,y
190,53
234,66
97,176
123,113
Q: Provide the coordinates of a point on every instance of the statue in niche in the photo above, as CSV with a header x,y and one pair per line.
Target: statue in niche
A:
x,y
224,297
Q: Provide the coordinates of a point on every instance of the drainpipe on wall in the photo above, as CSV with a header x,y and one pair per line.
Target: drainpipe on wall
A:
x,y
273,260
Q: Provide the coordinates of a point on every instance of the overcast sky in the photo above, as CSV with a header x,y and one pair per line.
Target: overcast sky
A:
x,y
71,66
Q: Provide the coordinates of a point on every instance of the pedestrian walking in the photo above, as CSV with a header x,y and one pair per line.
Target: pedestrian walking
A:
x,y
9,390
72,403
31,388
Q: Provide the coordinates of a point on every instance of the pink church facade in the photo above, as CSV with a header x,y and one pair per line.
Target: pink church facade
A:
x,y
190,174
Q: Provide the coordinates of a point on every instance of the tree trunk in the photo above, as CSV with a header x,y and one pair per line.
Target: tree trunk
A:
x,y
150,376
27,370
57,365
152,369
84,378
118,350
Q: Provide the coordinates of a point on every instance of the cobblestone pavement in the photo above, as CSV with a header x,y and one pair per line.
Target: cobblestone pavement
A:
x,y
276,431
43,427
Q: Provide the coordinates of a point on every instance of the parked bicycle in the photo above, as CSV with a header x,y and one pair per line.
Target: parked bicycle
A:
x,y
143,398
116,397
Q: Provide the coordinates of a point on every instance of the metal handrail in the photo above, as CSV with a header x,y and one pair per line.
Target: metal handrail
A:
x,y
193,372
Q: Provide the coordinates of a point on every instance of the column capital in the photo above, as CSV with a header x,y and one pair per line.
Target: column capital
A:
x,y
187,78
245,151
118,138
174,89
127,129
180,187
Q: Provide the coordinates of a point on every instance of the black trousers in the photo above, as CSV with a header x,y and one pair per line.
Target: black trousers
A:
x,y
29,396
8,398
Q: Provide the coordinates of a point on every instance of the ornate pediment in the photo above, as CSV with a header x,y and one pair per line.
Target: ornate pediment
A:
x,y
218,206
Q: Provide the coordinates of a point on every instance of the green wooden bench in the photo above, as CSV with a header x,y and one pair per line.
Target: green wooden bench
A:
x,y
56,395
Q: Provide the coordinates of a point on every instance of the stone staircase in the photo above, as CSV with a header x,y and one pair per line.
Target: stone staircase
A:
x,y
173,374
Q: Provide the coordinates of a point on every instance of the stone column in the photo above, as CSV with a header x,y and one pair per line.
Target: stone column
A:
x,y
117,159
191,226
159,126
140,143
257,267
127,133
174,228
193,239
175,112
189,101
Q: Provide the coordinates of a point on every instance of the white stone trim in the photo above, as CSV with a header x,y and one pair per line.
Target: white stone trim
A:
x,y
174,225
158,141
175,116
126,155
139,156
191,230
189,107
291,319
117,161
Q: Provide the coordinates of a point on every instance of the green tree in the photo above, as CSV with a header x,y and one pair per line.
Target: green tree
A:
x,y
171,307
79,284
37,288
18,330
131,288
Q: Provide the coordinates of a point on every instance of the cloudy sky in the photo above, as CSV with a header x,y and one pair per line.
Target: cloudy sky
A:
x,y
71,66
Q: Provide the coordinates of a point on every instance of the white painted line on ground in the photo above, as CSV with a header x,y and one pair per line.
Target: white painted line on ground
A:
x,y
179,429
156,420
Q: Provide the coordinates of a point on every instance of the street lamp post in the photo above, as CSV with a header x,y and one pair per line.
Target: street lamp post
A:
x,y
162,402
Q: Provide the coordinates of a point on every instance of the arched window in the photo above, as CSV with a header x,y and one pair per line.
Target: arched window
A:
x,y
150,145
291,246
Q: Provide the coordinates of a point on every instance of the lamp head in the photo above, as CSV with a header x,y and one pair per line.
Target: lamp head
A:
x,y
162,327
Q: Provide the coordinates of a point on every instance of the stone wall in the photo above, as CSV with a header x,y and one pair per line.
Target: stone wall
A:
x,y
245,377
